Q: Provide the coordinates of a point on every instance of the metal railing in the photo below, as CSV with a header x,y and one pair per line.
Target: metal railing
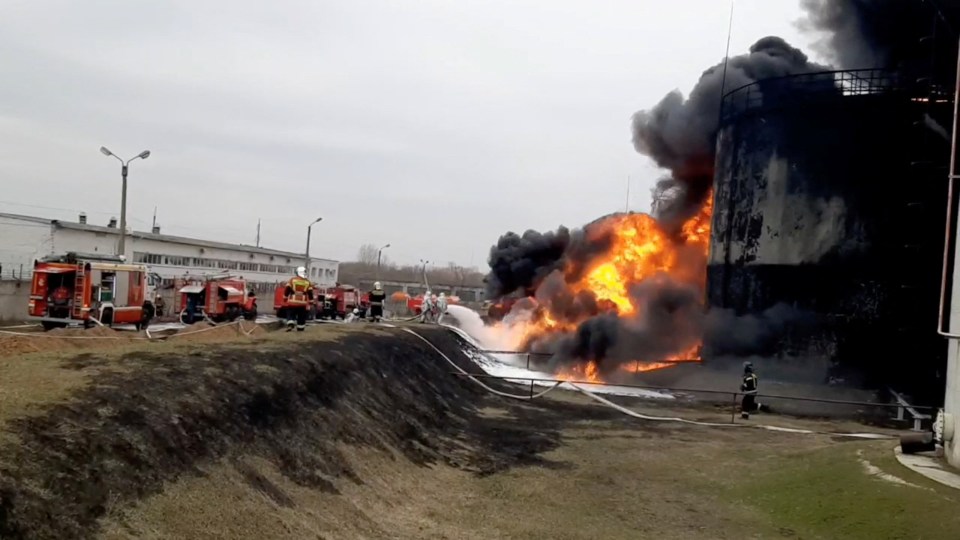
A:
x,y
734,395
807,88
901,406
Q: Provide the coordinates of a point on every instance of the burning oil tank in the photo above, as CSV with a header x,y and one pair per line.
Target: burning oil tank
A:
x,y
830,194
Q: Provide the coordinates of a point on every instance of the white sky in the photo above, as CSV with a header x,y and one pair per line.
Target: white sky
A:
x,y
433,125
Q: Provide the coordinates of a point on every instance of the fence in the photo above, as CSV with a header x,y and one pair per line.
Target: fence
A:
x,y
808,88
901,407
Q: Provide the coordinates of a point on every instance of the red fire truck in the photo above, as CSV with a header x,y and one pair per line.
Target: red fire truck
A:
x,y
90,288
280,304
218,299
339,301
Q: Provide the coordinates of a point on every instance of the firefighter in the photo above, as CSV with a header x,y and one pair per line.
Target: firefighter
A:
x,y
749,389
299,295
426,308
377,298
441,307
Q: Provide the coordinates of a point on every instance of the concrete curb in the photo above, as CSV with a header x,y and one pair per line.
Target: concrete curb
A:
x,y
929,466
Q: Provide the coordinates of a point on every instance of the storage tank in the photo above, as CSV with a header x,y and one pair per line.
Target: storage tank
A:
x,y
829,196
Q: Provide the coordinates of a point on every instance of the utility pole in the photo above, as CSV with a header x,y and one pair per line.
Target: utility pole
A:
x,y
153,227
125,165
628,194
258,232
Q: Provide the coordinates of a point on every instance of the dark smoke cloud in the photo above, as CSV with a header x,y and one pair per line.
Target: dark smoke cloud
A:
x,y
678,134
884,33
672,318
520,263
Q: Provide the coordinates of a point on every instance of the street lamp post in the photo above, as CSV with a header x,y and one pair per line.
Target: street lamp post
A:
x,y
306,264
425,281
379,253
125,165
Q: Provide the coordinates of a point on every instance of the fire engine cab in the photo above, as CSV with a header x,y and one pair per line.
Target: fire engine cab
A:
x,y
89,289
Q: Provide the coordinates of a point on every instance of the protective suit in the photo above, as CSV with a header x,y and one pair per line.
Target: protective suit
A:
x,y
441,307
298,295
377,299
426,308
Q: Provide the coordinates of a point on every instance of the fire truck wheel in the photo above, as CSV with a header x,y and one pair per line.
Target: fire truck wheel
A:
x,y
251,314
50,325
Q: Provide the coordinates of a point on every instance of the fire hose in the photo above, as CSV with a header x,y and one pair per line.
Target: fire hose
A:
x,y
137,338
640,416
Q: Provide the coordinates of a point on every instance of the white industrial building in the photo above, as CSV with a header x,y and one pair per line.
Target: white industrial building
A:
x,y
24,239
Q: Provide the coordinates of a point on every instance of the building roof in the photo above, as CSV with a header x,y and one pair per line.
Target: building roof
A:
x,y
162,237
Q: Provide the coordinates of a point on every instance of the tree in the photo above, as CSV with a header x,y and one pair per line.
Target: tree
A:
x,y
367,254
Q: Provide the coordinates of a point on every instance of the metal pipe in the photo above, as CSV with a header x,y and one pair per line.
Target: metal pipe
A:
x,y
949,247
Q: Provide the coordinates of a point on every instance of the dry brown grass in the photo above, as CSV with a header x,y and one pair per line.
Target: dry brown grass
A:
x,y
36,374
619,481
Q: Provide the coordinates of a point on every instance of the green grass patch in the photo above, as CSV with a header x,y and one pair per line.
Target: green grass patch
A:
x,y
828,493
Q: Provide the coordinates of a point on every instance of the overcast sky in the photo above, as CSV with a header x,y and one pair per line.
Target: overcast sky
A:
x,y
432,125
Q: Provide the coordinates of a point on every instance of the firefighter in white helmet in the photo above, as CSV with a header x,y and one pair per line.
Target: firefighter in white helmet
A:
x,y
377,299
441,307
426,308
299,295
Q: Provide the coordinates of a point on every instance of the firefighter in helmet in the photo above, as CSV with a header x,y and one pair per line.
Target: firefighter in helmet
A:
x,y
749,388
377,298
426,308
299,295
441,307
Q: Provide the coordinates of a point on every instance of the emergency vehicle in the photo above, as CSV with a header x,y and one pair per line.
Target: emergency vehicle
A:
x,y
339,301
217,299
89,289
280,304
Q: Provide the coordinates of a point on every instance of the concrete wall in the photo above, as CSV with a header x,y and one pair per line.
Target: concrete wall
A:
x,y
21,242
14,296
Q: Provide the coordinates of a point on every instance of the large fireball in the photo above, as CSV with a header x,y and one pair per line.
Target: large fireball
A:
x,y
638,252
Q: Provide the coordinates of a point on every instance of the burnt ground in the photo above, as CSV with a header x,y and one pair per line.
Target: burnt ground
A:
x,y
354,431
162,416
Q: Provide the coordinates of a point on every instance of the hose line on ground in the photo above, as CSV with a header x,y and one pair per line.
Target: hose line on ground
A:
x,y
634,414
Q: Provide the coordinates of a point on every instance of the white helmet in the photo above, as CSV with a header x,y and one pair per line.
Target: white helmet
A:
x,y
301,272
442,295
377,286
427,294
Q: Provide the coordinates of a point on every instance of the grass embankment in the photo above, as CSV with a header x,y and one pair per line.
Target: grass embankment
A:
x,y
357,432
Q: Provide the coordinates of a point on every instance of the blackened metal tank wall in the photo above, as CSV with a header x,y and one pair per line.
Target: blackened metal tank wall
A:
x,y
833,202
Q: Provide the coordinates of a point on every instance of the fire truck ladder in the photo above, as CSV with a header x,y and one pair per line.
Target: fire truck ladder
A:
x,y
78,292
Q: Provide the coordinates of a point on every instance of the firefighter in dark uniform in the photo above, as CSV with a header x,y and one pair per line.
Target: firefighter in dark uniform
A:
x,y
299,295
377,298
749,389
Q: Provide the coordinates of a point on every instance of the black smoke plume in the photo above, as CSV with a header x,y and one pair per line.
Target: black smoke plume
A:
x,y
916,37
672,318
679,134
520,263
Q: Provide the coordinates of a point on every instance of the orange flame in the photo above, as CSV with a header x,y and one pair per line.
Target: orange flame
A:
x,y
640,249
